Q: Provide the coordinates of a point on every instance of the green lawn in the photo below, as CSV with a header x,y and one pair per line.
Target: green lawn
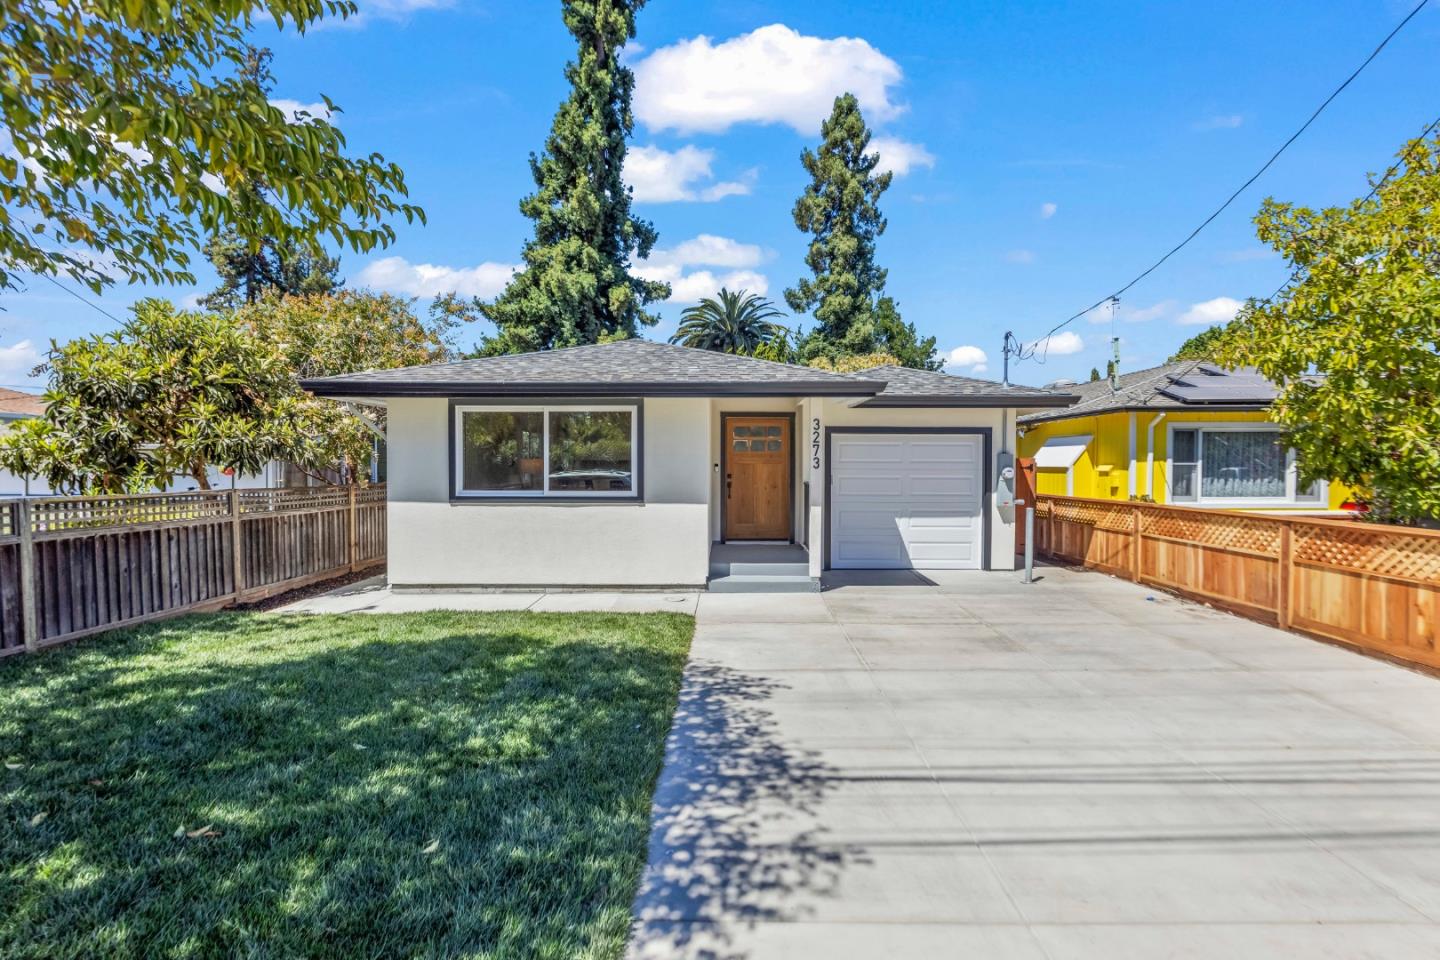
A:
x,y
471,785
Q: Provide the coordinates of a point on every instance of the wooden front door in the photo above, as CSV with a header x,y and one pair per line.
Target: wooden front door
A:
x,y
757,478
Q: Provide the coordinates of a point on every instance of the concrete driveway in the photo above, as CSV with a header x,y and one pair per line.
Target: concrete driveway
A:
x,y
1081,768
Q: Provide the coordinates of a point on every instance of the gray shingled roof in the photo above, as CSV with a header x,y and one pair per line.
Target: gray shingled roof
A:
x,y
905,386
625,367
1157,388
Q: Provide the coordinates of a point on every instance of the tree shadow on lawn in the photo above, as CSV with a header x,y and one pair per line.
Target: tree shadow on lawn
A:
x,y
435,785
733,841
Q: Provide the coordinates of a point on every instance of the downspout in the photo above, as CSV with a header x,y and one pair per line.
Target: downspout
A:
x,y
1150,454
1131,471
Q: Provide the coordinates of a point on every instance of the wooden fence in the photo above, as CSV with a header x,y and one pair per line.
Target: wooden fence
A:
x,y
1375,587
72,566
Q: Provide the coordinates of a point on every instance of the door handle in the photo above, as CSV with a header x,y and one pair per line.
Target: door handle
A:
x,y
727,486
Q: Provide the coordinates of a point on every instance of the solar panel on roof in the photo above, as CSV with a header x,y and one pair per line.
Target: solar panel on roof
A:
x,y
1211,384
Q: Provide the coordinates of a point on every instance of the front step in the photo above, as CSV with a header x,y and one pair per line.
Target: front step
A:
x,y
760,568
742,583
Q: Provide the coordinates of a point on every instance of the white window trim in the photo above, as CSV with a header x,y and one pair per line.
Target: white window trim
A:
x,y
545,493
1211,426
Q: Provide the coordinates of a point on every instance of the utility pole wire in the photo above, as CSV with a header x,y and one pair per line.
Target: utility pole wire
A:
x,y
1023,352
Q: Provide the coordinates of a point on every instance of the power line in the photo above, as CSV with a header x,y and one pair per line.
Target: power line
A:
x,y
1020,351
91,304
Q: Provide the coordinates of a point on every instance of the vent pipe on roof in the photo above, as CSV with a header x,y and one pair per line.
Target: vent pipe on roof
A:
x,y
1114,347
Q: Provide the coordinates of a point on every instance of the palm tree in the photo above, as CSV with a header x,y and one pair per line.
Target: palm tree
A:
x,y
731,323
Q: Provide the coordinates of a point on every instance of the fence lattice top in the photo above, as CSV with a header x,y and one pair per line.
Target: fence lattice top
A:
x,y
72,513
1369,549
58,515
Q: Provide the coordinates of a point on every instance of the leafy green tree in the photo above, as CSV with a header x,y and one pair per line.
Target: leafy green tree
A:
x,y
350,331
327,335
249,270
731,322
840,211
134,131
246,275
1094,375
1363,314
576,286
170,393
854,362
1203,346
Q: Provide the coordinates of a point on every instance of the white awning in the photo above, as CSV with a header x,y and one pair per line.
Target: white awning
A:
x,y
1060,453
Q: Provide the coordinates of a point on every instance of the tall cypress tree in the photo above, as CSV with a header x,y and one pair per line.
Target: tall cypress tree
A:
x,y
840,210
576,286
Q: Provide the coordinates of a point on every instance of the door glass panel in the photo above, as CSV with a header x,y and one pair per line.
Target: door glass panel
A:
x,y
773,446
742,431
772,431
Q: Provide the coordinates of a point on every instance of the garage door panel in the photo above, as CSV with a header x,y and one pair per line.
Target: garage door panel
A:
x,y
945,487
949,451
876,551
883,452
920,553
868,522
906,501
862,485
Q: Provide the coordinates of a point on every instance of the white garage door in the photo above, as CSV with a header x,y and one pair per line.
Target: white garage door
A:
x,y
906,500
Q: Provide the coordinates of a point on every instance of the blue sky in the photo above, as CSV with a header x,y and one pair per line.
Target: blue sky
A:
x,y
1045,152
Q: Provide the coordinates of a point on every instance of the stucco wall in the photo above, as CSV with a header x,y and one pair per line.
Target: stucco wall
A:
x,y
661,542
1001,424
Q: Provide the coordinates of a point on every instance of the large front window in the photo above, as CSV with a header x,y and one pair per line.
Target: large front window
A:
x,y
569,451
1241,464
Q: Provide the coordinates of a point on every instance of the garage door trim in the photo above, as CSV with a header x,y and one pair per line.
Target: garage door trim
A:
x,y
986,494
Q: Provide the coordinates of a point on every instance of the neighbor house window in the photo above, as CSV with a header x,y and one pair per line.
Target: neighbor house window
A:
x,y
568,451
1235,463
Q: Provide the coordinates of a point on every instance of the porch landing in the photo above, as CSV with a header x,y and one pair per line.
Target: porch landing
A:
x,y
760,568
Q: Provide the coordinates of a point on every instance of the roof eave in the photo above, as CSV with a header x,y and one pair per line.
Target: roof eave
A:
x,y
978,400
1142,408
378,388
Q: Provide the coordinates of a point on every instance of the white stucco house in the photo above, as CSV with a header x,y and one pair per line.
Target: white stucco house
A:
x,y
638,464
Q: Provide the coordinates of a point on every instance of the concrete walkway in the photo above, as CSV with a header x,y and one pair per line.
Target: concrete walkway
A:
x,y
373,596
972,768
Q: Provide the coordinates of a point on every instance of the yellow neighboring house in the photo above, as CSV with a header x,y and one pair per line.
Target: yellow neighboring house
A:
x,y
1188,433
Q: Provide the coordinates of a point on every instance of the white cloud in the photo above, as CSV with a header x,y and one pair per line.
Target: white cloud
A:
x,y
711,251
706,250
969,358
16,362
1061,344
1020,256
770,75
1127,314
900,156
1047,210
692,287
399,275
1222,121
1210,312
297,112
665,176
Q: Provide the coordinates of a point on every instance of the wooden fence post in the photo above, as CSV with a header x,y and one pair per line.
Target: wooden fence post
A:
x,y
28,627
1135,542
1286,567
354,533
237,548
